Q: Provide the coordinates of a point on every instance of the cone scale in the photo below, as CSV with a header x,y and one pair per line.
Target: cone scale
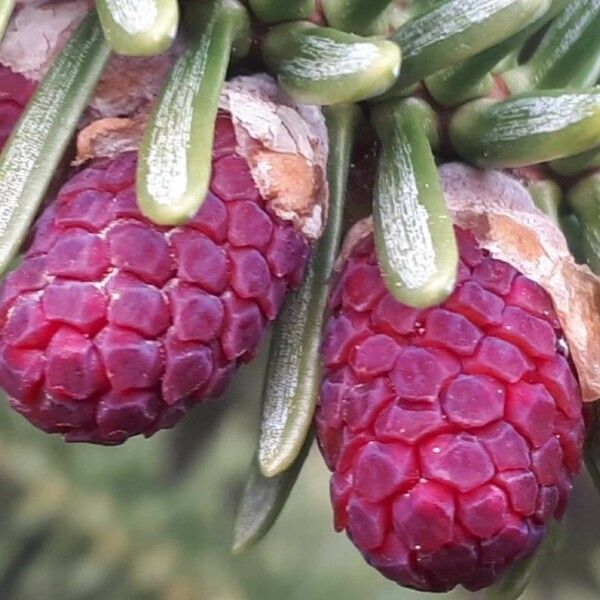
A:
x,y
113,327
449,409
452,433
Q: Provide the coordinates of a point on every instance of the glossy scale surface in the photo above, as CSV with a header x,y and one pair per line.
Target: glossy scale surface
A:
x,y
452,433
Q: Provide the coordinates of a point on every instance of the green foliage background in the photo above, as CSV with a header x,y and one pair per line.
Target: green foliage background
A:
x,y
153,519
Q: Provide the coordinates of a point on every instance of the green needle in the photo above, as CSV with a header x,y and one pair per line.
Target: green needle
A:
x,y
139,27
175,156
318,65
36,146
414,234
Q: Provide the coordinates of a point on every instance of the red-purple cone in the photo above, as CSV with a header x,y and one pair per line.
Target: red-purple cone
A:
x,y
15,92
453,433
113,327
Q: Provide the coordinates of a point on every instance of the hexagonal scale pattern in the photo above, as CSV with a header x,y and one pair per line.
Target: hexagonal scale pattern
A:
x,y
15,92
113,327
453,433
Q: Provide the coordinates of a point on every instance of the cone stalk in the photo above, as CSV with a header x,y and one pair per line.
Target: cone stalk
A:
x,y
592,445
572,229
513,584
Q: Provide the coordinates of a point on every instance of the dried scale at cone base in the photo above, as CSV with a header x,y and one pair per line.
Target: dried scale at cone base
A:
x,y
453,362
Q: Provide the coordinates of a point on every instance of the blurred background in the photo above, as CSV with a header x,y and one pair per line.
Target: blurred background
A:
x,y
153,519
